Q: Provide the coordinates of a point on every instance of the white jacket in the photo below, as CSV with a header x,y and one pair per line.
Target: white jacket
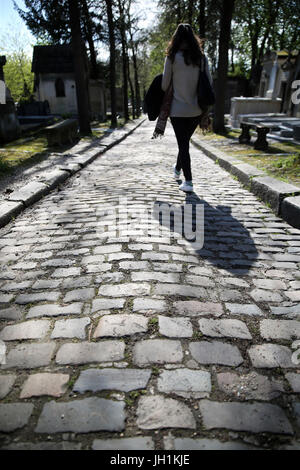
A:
x,y
185,81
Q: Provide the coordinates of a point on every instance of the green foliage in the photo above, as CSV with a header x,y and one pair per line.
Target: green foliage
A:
x,y
18,76
292,161
48,21
256,27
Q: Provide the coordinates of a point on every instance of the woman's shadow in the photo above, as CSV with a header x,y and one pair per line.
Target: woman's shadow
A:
x,y
213,232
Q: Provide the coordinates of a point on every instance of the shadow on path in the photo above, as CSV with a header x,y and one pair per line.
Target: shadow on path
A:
x,y
226,244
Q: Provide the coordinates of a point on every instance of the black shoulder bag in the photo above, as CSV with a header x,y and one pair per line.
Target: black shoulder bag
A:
x,y
205,92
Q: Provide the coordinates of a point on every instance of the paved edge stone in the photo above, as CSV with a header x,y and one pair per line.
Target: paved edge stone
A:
x,y
258,183
290,210
9,209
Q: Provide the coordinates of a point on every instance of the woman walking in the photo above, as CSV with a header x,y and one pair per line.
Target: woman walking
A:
x,y
180,80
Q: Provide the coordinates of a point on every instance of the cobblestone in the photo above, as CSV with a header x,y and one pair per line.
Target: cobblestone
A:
x,y
129,289
124,380
270,355
38,297
85,353
203,444
193,308
104,304
185,383
260,295
157,351
145,305
129,443
244,309
124,331
257,418
12,313
279,329
79,294
28,356
251,386
220,328
74,328
14,416
121,325
175,327
216,352
6,384
53,310
294,381
82,416
34,329
37,385
157,412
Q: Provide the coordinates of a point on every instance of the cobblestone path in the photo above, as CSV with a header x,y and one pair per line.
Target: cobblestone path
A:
x,y
132,341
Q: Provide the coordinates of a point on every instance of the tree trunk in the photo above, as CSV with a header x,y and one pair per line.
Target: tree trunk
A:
x,y
136,78
201,18
224,39
112,63
190,12
80,68
133,102
89,37
124,60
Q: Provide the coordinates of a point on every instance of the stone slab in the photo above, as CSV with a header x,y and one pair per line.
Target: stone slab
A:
x,y
45,384
250,386
14,416
215,352
82,416
256,417
129,443
9,209
185,383
53,178
157,351
85,352
271,355
290,210
6,383
220,328
121,325
30,193
273,191
156,412
28,356
124,380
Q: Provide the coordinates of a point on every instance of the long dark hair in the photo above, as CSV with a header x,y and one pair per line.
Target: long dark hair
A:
x,y
194,52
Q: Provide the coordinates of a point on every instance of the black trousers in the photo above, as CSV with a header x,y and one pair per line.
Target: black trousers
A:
x,y
184,128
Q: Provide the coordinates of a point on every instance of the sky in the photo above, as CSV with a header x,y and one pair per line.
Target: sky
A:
x,y
11,21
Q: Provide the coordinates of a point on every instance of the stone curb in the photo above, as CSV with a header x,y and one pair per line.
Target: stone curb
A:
x,y
32,192
283,198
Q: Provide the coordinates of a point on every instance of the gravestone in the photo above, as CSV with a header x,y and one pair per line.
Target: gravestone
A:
x,y
9,125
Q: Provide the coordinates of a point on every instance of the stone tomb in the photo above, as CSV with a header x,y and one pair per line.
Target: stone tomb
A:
x,y
9,125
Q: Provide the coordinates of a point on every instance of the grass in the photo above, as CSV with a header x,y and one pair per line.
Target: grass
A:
x,y
281,160
32,147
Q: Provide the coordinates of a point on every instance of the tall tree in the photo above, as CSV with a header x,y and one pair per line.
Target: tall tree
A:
x,y
47,20
224,39
201,19
89,34
112,62
80,67
122,29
